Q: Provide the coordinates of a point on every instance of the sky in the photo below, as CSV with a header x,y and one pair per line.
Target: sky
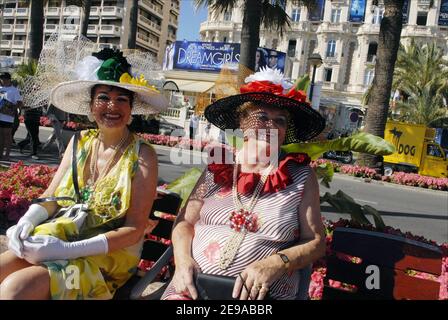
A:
x,y
190,20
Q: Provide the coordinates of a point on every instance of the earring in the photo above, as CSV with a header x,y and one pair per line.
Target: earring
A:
x,y
90,117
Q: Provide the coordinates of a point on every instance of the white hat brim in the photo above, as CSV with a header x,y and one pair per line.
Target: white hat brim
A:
x,y
74,97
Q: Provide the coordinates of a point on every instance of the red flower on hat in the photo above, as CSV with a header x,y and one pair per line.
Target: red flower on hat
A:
x,y
262,86
298,95
277,89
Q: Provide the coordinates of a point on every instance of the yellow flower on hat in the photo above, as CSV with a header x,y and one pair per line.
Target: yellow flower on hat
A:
x,y
140,81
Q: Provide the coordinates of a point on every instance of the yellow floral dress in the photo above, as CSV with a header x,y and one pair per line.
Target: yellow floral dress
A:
x,y
95,277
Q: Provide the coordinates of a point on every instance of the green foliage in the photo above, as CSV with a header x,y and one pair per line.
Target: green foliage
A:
x,y
324,173
302,83
184,185
420,76
23,71
343,203
359,142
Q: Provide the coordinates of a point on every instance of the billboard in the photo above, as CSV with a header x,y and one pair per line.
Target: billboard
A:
x,y
357,10
211,56
317,13
443,15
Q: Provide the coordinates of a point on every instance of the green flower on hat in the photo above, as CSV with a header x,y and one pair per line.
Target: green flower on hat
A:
x,y
114,65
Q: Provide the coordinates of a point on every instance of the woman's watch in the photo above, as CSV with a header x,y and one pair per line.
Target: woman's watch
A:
x,y
285,259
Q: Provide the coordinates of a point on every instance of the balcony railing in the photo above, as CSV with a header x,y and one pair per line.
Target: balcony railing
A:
x,y
72,11
151,7
110,30
8,12
7,28
107,45
5,44
147,41
112,12
53,12
173,21
22,12
20,28
50,28
17,60
218,25
70,28
95,12
92,29
18,44
149,23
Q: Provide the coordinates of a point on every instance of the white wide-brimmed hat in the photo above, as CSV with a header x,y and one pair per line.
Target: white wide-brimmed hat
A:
x,y
68,69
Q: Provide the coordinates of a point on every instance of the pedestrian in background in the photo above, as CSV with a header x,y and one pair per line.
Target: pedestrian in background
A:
x,y
32,123
11,100
57,117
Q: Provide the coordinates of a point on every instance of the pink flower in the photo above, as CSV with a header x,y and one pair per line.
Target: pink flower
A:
x,y
212,252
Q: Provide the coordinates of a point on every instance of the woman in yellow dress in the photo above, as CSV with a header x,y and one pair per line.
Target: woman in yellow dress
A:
x,y
91,256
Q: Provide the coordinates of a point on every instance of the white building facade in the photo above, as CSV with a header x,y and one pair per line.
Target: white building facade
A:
x,y
108,24
348,49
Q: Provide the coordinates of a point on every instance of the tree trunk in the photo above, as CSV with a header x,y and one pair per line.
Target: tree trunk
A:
x,y
85,22
378,105
133,24
37,29
250,34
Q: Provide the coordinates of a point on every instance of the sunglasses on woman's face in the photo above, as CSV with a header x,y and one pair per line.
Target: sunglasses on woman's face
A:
x,y
260,116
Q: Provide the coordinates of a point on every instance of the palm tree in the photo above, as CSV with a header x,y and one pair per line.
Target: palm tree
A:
x,y
23,71
133,22
388,44
37,29
421,67
422,107
85,22
269,13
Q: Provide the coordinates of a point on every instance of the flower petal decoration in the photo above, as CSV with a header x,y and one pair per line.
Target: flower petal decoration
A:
x,y
87,68
266,74
140,81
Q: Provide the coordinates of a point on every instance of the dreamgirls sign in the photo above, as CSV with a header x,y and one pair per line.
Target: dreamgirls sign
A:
x,y
211,56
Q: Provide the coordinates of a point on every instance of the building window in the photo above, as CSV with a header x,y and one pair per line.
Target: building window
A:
x,y
295,15
371,54
292,48
331,49
328,72
368,77
335,15
378,16
422,17
227,16
224,40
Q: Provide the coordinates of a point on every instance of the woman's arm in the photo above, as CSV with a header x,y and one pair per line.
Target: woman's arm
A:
x,y
310,248
143,193
312,232
182,238
65,165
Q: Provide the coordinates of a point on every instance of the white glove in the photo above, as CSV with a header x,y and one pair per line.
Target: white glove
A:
x,y
47,248
35,215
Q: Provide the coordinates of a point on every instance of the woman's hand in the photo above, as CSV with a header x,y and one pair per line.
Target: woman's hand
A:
x,y
254,282
183,276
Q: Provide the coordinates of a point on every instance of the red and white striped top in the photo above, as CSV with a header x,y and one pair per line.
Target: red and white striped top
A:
x,y
279,229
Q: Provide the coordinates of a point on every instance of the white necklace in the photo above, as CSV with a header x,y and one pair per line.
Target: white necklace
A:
x,y
94,159
243,220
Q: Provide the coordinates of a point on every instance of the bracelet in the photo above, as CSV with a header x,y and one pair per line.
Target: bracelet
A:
x,y
285,260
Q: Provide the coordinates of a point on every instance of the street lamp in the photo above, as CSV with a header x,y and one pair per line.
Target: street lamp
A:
x,y
314,60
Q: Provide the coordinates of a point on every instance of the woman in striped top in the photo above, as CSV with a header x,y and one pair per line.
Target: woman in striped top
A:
x,y
256,215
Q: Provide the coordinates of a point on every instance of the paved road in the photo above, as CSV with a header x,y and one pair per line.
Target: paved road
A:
x,y
419,211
